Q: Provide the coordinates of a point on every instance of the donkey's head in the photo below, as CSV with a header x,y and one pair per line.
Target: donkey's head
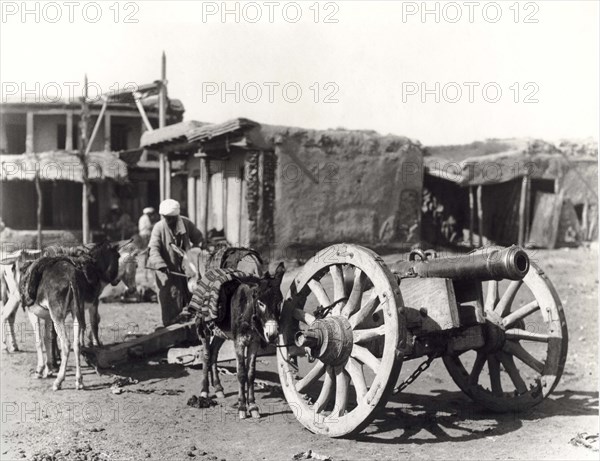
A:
x,y
105,256
268,303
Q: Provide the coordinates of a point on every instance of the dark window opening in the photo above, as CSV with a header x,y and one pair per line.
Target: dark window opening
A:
x,y
118,137
61,137
16,135
579,212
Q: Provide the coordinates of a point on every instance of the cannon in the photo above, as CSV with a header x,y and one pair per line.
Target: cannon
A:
x,y
349,321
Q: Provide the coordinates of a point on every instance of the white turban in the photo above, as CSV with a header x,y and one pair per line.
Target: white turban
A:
x,y
169,207
148,210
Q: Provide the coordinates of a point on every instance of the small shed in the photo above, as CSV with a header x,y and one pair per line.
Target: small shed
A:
x,y
502,197
224,193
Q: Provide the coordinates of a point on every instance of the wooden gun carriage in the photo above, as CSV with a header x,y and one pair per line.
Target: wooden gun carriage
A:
x,y
349,321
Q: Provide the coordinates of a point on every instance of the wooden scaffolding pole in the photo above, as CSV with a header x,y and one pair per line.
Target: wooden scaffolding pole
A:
x,y
162,122
83,151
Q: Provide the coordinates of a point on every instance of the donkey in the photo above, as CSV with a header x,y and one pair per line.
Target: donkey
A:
x,y
251,315
15,263
62,285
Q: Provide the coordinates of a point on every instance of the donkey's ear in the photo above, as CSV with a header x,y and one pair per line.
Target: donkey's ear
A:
x,y
280,271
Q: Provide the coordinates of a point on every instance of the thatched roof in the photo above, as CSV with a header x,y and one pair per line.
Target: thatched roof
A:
x,y
62,166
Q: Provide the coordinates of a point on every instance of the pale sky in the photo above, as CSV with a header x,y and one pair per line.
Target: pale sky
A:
x,y
374,59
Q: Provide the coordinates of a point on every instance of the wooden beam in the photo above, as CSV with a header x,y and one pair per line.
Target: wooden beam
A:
x,y
29,146
480,214
143,346
168,178
471,215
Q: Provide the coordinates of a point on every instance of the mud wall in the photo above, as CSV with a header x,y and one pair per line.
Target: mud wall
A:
x,y
345,186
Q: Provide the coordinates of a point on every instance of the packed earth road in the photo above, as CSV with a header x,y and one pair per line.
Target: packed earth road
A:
x,y
147,417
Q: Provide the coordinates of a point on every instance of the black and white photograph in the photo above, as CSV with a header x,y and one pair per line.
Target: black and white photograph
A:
x,y
299,230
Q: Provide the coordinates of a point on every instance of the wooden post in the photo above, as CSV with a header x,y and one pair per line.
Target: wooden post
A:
x,y
167,177
85,223
224,207
29,148
584,221
523,209
29,134
204,181
69,132
241,205
191,195
471,215
107,134
38,190
480,214
162,121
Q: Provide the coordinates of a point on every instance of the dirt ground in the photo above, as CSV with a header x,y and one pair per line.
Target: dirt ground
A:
x,y
431,419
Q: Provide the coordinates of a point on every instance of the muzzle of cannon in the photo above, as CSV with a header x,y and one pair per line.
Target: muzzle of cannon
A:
x,y
510,263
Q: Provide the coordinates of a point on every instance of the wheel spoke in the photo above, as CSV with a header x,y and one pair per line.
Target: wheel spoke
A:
x,y
477,367
494,367
339,290
358,378
325,394
303,316
365,311
517,333
363,336
503,306
356,294
314,374
364,355
341,392
492,295
518,351
319,292
520,313
510,367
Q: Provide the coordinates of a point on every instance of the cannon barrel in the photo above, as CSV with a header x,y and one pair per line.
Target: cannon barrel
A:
x,y
510,263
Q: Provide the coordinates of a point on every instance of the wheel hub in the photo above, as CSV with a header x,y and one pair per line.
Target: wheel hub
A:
x,y
329,340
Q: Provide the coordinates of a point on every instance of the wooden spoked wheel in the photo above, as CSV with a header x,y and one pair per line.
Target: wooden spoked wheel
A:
x,y
526,345
338,393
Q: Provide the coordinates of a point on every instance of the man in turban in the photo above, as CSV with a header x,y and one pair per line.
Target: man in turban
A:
x,y
173,292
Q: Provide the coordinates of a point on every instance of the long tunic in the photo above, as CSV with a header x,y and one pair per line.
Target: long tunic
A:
x,y
173,293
